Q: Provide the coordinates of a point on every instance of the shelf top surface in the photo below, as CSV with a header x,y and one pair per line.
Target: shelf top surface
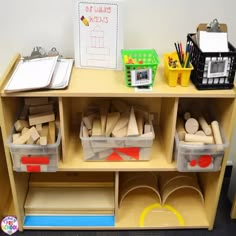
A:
x,y
110,83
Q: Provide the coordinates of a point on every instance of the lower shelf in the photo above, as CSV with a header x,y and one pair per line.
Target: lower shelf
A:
x,y
142,209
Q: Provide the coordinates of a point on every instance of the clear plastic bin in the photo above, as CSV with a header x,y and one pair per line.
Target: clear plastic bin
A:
x,y
199,158
35,158
117,149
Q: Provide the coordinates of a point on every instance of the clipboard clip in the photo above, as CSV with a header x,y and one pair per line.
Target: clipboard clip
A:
x,y
39,52
213,26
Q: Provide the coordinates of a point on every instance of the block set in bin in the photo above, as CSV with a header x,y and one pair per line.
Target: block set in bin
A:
x,y
116,131
212,70
139,60
35,141
199,145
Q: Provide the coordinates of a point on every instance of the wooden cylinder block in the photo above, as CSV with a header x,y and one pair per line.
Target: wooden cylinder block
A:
x,y
205,127
191,126
187,115
216,132
199,138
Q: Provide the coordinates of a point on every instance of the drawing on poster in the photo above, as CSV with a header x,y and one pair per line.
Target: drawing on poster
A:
x,y
98,34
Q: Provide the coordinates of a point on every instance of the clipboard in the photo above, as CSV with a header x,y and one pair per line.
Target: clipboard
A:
x,y
32,74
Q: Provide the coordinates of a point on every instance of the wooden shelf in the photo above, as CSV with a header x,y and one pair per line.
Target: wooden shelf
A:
x,y
70,200
75,161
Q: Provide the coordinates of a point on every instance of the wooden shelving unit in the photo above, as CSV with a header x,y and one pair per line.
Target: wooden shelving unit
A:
x,y
93,187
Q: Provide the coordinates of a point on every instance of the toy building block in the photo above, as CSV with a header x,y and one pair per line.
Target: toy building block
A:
x,y
140,122
24,113
205,127
122,122
30,141
36,101
43,140
51,132
104,109
44,131
132,125
191,126
199,138
41,118
20,124
187,115
34,133
120,132
147,128
24,130
97,128
40,109
87,122
216,132
120,105
112,119
15,136
200,132
38,141
85,133
39,128
23,138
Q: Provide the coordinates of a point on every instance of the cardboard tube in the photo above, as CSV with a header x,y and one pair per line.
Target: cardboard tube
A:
x,y
199,138
205,127
216,132
191,126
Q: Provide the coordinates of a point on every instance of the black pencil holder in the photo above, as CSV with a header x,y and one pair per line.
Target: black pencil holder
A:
x,y
212,70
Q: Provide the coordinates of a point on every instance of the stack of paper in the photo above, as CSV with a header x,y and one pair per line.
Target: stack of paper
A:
x,y
40,73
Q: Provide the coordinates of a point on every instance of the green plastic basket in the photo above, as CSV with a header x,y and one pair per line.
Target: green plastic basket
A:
x,y
149,59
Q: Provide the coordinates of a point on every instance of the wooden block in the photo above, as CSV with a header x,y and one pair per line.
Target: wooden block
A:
x,y
140,122
205,127
34,133
200,132
104,109
40,109
43,140
120,105
147,128
38,141
24,130
20,124
51,132
41,118
24,113
97,128
216,132
180,128
30,141
187,115
36,101
44,131
120,132
191,126
23,138
112,119
199,138
122,122
15,136
39,128
132,125
85,133
87,122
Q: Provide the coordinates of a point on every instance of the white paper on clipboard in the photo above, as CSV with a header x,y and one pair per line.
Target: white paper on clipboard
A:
x,y
32,74
98,34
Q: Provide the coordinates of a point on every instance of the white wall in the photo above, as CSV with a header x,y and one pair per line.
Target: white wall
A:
x,y
147,23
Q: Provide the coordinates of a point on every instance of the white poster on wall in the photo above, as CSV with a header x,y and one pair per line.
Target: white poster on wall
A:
x,y
98,34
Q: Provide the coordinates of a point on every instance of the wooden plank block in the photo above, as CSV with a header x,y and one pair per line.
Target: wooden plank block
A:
x,y
43,140
120,132
87,122
24,113
51,132
140,122
85,133
23,138
132,125
15,136
34,133
97,128
24,130
41,118
39,128
30,141
104,109
20,124
40,109
147,128
44,131
122,122
112,119
36,101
